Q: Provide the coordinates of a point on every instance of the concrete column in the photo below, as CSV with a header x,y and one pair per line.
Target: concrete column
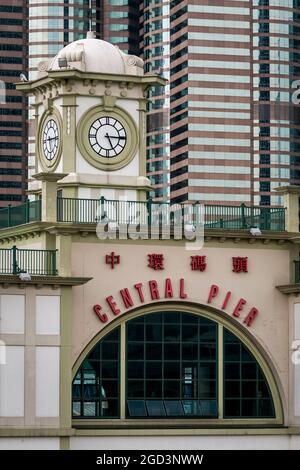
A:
x,y
49,194
64,247
291,196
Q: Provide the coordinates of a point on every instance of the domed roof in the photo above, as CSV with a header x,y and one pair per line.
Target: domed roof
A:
x,y
95,55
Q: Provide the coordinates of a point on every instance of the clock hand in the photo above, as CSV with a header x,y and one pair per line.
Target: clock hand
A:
x,y
116,137
50,138
108,137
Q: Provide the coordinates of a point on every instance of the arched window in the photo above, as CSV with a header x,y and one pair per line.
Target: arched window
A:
x,y
174,365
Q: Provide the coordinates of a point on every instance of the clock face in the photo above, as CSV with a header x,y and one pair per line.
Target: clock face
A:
x,y
50,139
107,137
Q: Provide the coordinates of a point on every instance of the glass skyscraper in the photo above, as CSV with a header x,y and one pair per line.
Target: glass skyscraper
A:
x,y
233,133
12,103
155,34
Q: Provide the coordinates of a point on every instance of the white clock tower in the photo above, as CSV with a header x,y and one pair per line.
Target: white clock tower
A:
x,y
90,103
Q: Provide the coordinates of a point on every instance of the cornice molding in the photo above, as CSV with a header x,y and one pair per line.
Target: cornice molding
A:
x,y
289,289
35,229
7,280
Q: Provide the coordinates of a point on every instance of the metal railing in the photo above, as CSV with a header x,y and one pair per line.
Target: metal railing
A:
x,y
151,212
244,217
11,216
34,262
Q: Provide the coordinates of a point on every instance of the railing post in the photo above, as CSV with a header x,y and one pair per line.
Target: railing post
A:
x,y
9,215
149,209
27,208
14,260
102,202
59,202
244,225
54,262
251,216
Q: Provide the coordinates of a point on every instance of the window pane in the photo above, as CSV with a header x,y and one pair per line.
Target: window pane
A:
x,y
172,369
96,385
246,391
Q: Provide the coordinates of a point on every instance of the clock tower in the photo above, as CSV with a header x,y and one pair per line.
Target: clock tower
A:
x,y
90,104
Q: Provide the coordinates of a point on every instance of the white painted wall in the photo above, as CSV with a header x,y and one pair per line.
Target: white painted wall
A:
x,y
186,443
12,314
29,443
12,383
84,193
47,381
82,166
47,314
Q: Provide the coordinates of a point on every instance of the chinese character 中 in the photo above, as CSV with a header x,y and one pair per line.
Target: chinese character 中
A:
x,y
112,259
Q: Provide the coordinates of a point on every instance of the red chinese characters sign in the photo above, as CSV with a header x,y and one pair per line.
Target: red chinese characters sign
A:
x,y
239,264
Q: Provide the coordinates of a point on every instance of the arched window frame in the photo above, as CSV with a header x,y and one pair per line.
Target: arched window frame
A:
x,y
223,321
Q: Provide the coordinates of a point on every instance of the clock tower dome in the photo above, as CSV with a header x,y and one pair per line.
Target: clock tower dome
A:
x,y
90,103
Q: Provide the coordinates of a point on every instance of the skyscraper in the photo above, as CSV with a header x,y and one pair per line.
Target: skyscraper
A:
x,y
120,24
12,103
233,130
155,45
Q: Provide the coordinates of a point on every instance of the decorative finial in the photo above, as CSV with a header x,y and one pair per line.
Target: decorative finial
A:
x,y
90,35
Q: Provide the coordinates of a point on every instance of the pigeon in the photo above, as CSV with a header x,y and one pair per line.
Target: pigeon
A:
x,y
23,77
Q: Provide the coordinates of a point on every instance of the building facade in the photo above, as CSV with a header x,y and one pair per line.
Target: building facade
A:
x,y
12,103
155,49
117,329
233,127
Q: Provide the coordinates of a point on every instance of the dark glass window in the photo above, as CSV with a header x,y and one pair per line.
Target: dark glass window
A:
x,y
264,173
179,67
179,144
179,185
246,392
179,130
264,82
96,384
11,60
265,186
172,370
179,171
264,145
10,197
264,159
265,200
179,95
172,364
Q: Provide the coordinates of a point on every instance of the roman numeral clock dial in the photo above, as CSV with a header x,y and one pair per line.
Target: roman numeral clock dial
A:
x,y
107,137
49,140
